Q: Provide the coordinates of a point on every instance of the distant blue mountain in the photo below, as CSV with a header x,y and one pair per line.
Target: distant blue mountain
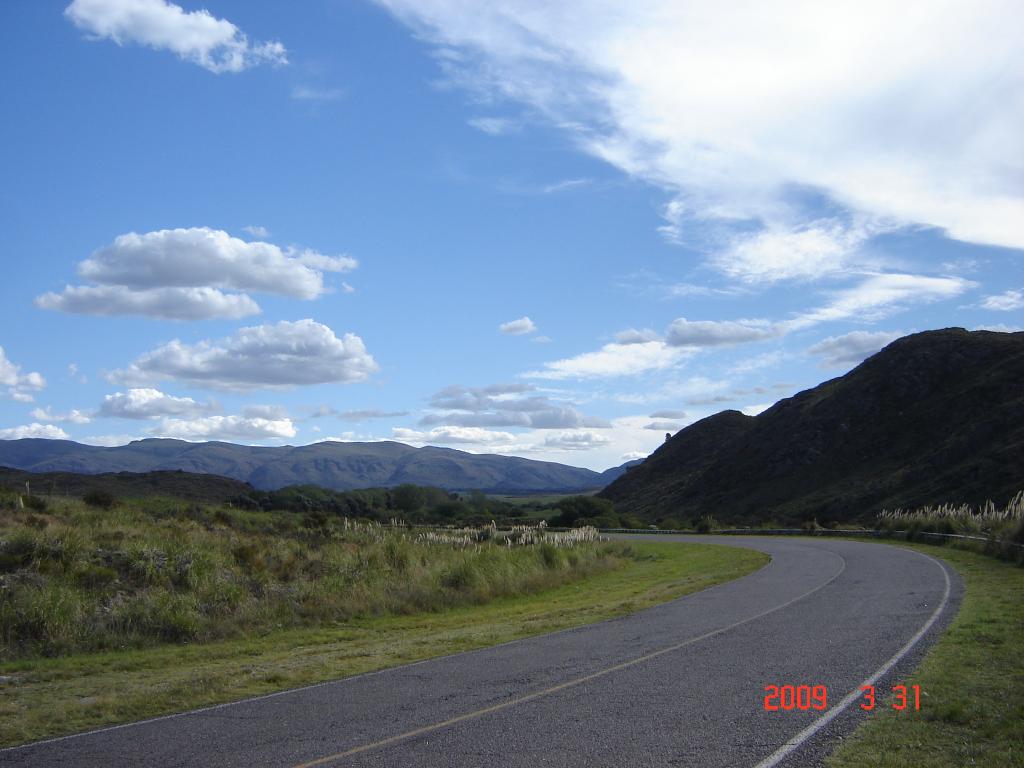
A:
x,y
341,466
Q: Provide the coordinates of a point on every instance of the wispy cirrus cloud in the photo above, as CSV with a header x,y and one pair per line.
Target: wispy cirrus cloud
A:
x,y
851,348
1004,302
614,359
74,416
495,126
735,114
879,296
642,351
312,94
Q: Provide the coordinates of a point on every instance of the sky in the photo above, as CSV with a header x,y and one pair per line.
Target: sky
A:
x,y
551,230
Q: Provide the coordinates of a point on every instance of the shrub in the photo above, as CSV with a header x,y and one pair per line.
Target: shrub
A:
x,y
37,503
550,556
100,498
95,576
706,524
462,576
315,521
584,510
18,551
811,526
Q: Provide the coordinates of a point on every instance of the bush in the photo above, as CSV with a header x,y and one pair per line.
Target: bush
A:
x,y
37,503
316,521
95,576
100,498
17,552
462,577
575,511
408,498
631,521
811,526
706,524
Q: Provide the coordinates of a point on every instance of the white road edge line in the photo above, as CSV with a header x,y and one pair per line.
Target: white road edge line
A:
x,y
801,738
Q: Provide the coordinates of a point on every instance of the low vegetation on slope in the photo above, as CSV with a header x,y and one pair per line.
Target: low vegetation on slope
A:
x,y
78,578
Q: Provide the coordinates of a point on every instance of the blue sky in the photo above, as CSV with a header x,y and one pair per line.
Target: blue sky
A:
x,y
549,230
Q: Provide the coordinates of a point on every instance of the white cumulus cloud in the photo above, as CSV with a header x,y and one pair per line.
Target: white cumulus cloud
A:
x,y
107,441
518,327
449,435
195,36
149,403
35,429
225,428
191,274
19,385
283,354
162,303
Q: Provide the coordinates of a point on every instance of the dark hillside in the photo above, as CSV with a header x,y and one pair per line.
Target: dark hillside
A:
x,y
937,416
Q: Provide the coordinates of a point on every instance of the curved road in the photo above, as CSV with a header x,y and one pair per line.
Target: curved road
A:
x,y
680,684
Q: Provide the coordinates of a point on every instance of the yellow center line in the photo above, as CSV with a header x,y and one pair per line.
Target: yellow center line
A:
x,y
555,688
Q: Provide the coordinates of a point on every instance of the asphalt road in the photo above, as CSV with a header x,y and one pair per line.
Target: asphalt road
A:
x,y
681,684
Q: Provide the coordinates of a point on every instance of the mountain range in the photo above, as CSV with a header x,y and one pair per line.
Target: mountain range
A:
x,y
340,466
933,417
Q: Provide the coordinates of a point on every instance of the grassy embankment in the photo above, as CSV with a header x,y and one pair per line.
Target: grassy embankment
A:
x,y
108,616
972,683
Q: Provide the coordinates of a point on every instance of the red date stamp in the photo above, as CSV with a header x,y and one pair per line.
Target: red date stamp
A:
x,y
787,698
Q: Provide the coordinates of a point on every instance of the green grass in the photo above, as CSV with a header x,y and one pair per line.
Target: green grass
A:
x,y
78,579
972,683
53,696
